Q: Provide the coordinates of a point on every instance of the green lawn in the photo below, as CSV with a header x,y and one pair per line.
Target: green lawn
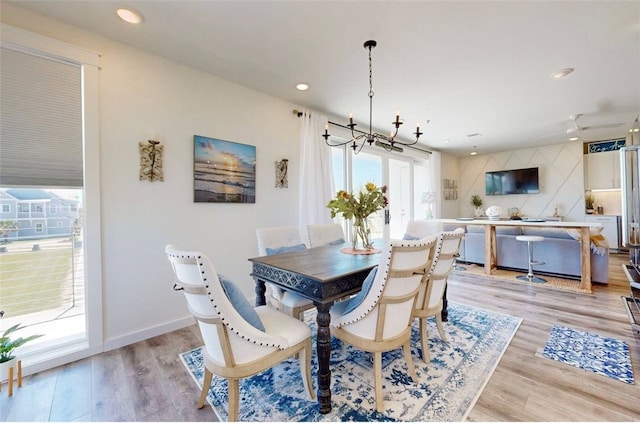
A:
x,y
33,281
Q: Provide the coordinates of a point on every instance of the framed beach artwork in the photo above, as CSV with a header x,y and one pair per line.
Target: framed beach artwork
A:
x,y
223,171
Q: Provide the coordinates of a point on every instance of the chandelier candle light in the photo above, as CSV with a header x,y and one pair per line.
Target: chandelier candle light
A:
x,y
387,142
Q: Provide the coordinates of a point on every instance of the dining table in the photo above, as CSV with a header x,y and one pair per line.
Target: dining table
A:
x,y
324,275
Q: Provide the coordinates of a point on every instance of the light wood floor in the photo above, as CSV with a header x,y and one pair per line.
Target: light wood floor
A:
x,y
147,382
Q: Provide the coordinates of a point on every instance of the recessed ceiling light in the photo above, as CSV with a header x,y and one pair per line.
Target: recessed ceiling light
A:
x,y
574,138
302,87
473,153
129,15
562,73
446,141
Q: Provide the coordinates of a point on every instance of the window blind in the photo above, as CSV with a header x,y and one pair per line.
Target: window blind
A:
x,y
40,121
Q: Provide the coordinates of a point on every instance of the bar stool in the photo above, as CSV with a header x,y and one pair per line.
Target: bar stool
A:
x,y
529,239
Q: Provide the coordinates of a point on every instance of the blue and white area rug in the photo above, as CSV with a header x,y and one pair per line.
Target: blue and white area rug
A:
x,y
591,352
446,390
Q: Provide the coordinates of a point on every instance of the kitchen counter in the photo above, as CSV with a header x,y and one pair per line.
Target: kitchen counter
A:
x,y
490,250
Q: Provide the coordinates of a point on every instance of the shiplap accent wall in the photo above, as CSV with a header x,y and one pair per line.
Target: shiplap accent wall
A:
x,y
561,175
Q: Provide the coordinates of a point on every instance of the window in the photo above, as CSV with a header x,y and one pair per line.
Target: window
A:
x,y
53,209
51,150
6,208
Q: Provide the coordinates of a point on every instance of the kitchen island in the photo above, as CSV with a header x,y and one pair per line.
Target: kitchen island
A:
x,y
490,251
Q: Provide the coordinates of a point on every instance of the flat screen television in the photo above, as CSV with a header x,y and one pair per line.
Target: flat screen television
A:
x,y
516,181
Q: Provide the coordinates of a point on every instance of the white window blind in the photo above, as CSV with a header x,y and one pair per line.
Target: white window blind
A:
x,y
40,121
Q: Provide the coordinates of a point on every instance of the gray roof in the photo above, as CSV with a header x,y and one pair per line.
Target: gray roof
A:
x,y
29,194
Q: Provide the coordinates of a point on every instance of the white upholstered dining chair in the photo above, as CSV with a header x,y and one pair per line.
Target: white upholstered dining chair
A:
x,y
325,234
417,229
430,299
277,240
379,318
239,340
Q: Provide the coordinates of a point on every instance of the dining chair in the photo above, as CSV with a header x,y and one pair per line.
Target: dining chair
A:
x,y
379,318
417,229
430,298
239,340
325,234
276,240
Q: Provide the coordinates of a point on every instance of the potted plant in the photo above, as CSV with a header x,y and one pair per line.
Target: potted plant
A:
x,y
7,347
476,201
589,202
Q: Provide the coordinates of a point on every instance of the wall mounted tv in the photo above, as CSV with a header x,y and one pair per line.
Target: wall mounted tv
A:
x,y
516,181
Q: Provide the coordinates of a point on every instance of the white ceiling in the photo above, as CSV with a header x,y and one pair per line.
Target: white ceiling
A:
x,y
465,66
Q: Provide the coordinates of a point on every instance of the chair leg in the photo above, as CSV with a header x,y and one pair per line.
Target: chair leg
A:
x,y
440,328
406,348
426,357
234,399
206,384
305,368
377,376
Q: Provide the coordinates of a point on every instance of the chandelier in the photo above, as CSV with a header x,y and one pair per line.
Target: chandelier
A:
x,y
359,138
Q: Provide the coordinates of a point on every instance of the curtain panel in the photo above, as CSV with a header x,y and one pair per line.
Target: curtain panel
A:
x,y
316,171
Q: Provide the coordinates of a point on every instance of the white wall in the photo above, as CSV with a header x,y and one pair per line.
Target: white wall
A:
x,y
143,97
561,176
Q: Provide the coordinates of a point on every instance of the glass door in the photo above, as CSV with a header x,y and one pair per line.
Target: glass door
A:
x,y
408,182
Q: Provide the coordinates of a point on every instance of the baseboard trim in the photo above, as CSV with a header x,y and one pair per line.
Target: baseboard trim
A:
x,y
133,337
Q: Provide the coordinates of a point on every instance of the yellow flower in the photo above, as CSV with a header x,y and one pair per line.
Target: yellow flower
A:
x,y
361,205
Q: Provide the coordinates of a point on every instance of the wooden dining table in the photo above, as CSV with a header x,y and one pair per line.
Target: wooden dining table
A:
x,y
322,274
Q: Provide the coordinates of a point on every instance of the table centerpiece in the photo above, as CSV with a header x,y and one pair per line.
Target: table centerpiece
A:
x,y
359,207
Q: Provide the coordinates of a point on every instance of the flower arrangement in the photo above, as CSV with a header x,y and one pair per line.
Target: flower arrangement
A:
x,y
359,207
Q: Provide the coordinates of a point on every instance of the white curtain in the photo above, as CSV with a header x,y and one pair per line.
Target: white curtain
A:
x,y
435,165
316,171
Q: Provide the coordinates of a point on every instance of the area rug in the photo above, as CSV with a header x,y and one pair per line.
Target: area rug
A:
x,y
553,282
590,352
446,390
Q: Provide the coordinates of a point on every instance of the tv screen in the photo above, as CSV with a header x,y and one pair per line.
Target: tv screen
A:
x,y
517,181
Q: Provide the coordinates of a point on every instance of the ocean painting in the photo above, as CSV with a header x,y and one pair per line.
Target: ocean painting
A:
x,y
224,171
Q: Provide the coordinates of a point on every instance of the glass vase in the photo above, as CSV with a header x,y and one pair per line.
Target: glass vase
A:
x,y
360,234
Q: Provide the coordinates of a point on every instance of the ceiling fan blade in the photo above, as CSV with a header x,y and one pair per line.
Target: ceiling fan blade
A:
x,y
610,125
551,135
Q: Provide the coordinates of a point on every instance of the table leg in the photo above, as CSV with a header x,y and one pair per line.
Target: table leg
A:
x,y
444,314
260,291
490,249
585,257
323,349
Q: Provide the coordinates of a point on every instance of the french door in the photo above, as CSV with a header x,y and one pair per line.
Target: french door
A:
x,y
406,177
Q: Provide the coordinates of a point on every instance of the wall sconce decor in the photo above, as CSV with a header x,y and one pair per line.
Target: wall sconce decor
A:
x,y
151,161
281,174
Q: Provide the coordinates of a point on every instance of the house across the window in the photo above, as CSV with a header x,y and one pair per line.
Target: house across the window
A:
x,y
36,213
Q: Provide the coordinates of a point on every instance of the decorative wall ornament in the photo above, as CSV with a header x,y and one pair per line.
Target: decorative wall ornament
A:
x,y
151,161
223,171
282,180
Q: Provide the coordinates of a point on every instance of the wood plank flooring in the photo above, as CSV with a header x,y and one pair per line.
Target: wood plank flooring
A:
x,y
147,382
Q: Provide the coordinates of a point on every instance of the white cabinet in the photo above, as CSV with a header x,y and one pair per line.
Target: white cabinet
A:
x,y
602,170
610,224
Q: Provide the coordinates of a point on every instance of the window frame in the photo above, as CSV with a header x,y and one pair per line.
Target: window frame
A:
x,y
16,38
